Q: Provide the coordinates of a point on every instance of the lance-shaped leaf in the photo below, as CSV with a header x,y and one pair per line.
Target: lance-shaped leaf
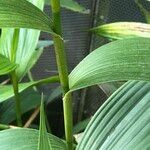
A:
x,y
43,140
26,139
71,5
123,122
23,14
6,91
126,59
6,66
120,30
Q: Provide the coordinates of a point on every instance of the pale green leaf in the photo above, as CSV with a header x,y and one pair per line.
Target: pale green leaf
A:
x,y
44,43
43,141
6,91
71,5
122,122
24,52
120,30
126,59
6,66
23,14
26,139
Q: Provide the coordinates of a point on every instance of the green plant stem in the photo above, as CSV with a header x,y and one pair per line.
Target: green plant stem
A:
x,y
63,71
17,98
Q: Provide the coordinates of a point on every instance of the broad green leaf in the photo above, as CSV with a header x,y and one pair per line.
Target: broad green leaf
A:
x,y
126,59
123,121
6,91
26,139
24,52
43,140
29,100
71,5
144,11
23,14
120,30
6,66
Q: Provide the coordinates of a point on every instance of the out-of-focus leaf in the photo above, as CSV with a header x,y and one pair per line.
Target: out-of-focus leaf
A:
x,y
26,139
55,94
120,30
144,11
6,91
126,59
24,52
110,88
29,100
43,140
44,43
6,66
23,14
123,121
81,126
71,5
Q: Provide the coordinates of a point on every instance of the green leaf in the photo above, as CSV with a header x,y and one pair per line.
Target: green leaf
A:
x,y
43,141
71,5
120,30
26,139
122,122
29,100
24,52
6,91
126,59
6,66
23,14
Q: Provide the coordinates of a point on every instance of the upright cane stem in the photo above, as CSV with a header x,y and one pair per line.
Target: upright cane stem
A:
x,y
17,98
63,71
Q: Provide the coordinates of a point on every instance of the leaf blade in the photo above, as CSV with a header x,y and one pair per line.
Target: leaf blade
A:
x,y
43,141
126,59
23,14
6,66
116,123
120,30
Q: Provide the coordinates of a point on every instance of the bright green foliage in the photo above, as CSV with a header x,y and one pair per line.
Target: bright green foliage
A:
x,y
26,139
120,30
24,52
6,91
22,14
43,141
122,122
71,5
6,66
126,59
